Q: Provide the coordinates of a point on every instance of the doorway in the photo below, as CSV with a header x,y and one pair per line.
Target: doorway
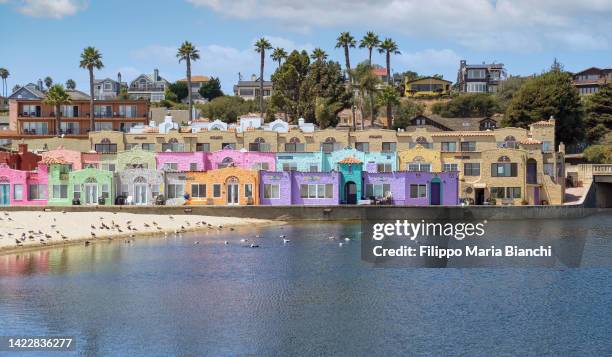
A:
x,y
435,195
140,193
5,194
532,171
233,192
91,193
350,193
479,196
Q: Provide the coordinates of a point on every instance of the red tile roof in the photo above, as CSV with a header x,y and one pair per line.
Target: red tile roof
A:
x,y
350,160
543,122
530,141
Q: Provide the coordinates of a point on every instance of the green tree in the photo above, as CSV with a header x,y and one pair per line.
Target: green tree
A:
x,y
48,82
56,96
470,105
288,80
388,98
211,89
366,83
405,112
278,55
388,47
91,59
123,94
550,94
369,41
598,118
346,41
188,53
260,47
70,84
177,91
598,154
325,93
227,108
507,89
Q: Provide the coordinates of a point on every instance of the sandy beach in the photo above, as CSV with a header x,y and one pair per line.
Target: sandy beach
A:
x,y
22,230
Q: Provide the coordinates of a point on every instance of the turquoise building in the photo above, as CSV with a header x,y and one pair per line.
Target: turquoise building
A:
x,y
350,169
372,161
300,161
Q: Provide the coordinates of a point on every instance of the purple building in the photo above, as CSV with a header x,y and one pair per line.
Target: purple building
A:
x,y
413,188
299,188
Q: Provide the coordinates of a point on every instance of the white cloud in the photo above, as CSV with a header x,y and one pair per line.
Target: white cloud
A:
x,y
55,9
428,62
517,25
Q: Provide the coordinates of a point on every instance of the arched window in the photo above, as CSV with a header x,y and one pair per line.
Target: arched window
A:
x,y
173,141
105,141
294,140
510,142
330,140
503,159
418,159
232,179
91,180
421,140
418,164
260,140
4,179
105,147
140,179
228,161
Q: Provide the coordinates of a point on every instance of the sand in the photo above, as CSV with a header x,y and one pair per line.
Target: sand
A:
x,y
42,229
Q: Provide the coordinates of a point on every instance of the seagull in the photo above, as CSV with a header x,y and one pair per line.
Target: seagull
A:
x,y
18,242
64,237
231,228
93,227
42,241
146,225
347,239
128,222
196,242
257,236
48,236
93,234
340,244
87,243
254,245
245,240
331,237
63,212
170,217
226,242
282,236
285,241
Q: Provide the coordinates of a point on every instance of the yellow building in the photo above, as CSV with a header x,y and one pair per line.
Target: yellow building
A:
x,y
427,87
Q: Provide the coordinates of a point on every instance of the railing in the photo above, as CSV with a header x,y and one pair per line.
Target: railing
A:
x,y
602,169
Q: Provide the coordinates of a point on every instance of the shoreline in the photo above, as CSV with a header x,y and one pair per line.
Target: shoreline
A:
x,y
74,234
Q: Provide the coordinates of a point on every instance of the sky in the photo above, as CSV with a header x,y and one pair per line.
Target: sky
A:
x,y
45,37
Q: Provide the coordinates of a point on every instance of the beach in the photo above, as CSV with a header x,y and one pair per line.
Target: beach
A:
x,y
39,229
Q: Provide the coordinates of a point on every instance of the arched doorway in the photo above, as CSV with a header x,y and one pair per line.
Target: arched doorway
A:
x,y
233,191
350,193
532,171
435,192
140,191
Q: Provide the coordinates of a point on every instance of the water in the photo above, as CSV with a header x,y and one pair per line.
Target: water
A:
x,y
310,297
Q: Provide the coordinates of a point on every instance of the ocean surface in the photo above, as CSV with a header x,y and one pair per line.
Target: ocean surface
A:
x,y
311,296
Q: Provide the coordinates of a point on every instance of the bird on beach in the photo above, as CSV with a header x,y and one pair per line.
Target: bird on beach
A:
x,y
170,217
42,241
18,242
93,227
93,234
87,243
63,237
146,225
48,236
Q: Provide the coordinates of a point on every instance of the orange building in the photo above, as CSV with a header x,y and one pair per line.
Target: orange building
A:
x,y
227,186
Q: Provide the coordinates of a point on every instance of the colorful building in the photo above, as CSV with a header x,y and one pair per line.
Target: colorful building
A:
x,y
427,87
182,161
175,182
230,185
21,188
139,186
245,159
20,160
299,188
413,188
372,161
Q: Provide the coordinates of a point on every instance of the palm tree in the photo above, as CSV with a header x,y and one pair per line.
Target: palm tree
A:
x,y
4,73
91,58
369,41
260,47
366,83
318,55
48,82
70,84
346,41
388,47
278,55
57,96
187,52
388,97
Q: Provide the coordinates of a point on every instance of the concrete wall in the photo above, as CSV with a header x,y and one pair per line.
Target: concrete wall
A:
x,y
308,213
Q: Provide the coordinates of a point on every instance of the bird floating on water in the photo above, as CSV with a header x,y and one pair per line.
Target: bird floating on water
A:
x,y
285,241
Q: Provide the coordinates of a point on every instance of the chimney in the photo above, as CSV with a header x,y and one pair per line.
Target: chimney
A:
x,y
23,148
156,74
562,147
40,85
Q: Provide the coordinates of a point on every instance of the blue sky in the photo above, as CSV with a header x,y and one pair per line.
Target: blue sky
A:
x,y
45,37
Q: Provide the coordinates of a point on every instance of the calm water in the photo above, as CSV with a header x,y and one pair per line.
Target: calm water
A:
x,y
310,297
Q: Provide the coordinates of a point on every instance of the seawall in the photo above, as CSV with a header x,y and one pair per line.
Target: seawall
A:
x,y
343,212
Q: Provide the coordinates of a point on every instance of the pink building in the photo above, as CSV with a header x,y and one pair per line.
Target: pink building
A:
x,y
21,188
181,161
245,159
